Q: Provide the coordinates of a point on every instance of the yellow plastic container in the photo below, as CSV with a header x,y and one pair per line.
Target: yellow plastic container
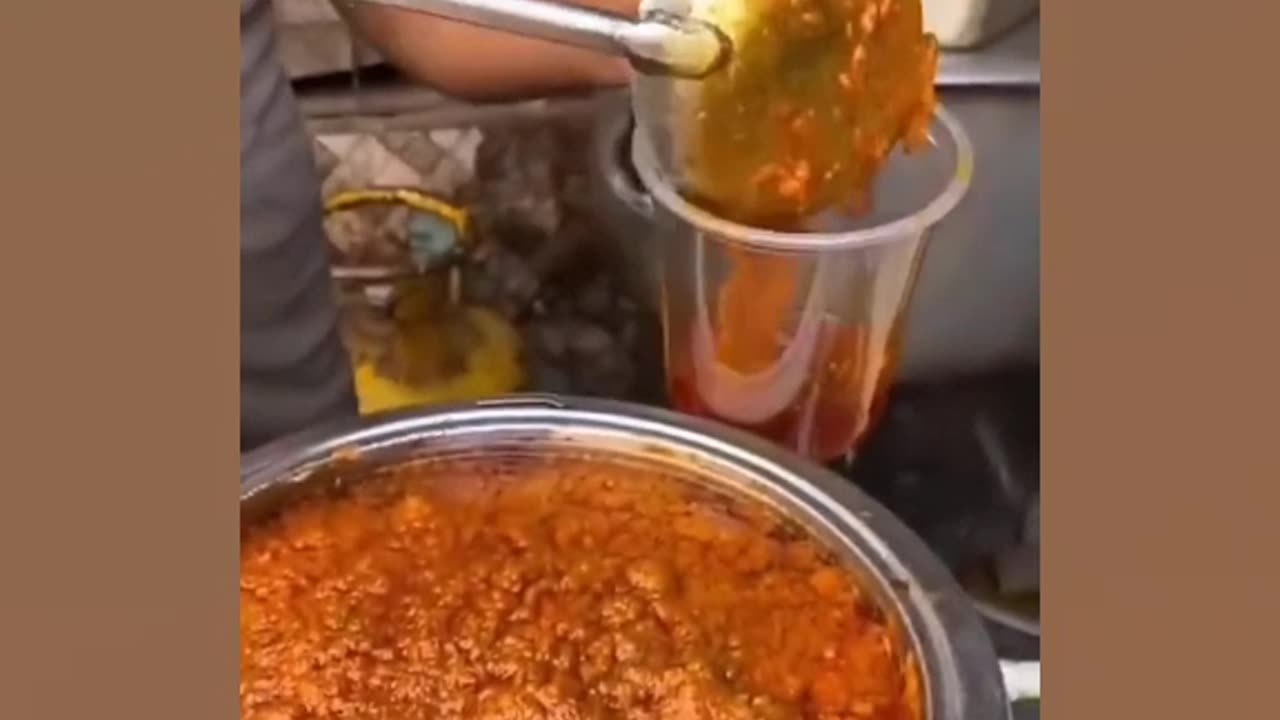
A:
x,y
412,343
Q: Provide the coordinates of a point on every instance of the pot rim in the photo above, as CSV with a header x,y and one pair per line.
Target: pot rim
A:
x,y
962,678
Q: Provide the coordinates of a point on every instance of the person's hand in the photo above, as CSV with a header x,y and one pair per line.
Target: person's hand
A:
x,y
610,72
482,64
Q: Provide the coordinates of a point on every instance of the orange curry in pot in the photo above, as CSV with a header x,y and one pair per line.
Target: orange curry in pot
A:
x,y
555,588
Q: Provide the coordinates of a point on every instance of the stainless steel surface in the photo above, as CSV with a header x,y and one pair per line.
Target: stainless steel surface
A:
x,y
963,680
1010,60
976,305
657,42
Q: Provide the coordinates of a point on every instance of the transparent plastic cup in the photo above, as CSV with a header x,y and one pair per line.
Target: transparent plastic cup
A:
x,y
797,335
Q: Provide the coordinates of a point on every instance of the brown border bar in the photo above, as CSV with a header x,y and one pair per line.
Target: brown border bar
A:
x,y
119,530
119,523
1159,336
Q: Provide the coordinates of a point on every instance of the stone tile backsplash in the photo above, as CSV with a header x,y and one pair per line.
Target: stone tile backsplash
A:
x,y
439,162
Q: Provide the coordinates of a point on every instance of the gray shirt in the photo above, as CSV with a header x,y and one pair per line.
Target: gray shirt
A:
x,y
293,369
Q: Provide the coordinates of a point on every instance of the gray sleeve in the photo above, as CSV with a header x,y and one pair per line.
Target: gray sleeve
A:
x,y
294,371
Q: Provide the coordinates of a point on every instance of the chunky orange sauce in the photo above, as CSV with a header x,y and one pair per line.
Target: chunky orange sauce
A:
x,y
555,588
816,96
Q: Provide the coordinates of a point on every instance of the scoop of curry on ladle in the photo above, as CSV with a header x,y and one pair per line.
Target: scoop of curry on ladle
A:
x,y
816,95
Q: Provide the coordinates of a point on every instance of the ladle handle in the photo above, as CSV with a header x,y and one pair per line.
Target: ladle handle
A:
x,y
658,43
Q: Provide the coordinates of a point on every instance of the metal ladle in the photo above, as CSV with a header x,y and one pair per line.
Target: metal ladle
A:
x,y
659,43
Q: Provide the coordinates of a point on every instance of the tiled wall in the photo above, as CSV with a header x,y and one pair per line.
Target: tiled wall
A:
x,y
437,161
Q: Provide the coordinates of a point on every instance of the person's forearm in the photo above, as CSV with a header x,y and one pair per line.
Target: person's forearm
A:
x,y
476,63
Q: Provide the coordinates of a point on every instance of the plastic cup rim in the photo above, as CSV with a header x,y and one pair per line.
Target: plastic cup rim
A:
x,y
908,227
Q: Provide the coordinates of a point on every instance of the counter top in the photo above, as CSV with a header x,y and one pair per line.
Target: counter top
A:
x,y
1011,60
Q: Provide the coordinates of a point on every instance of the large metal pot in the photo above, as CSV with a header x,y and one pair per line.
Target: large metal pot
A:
x,y
963,680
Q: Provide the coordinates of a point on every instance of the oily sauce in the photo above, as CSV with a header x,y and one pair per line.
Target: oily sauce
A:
x,y
818,94
832,411
559,587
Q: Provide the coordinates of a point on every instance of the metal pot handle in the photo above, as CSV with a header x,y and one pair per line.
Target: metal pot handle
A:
x,y
635,198
524,400
1021,679
621,183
